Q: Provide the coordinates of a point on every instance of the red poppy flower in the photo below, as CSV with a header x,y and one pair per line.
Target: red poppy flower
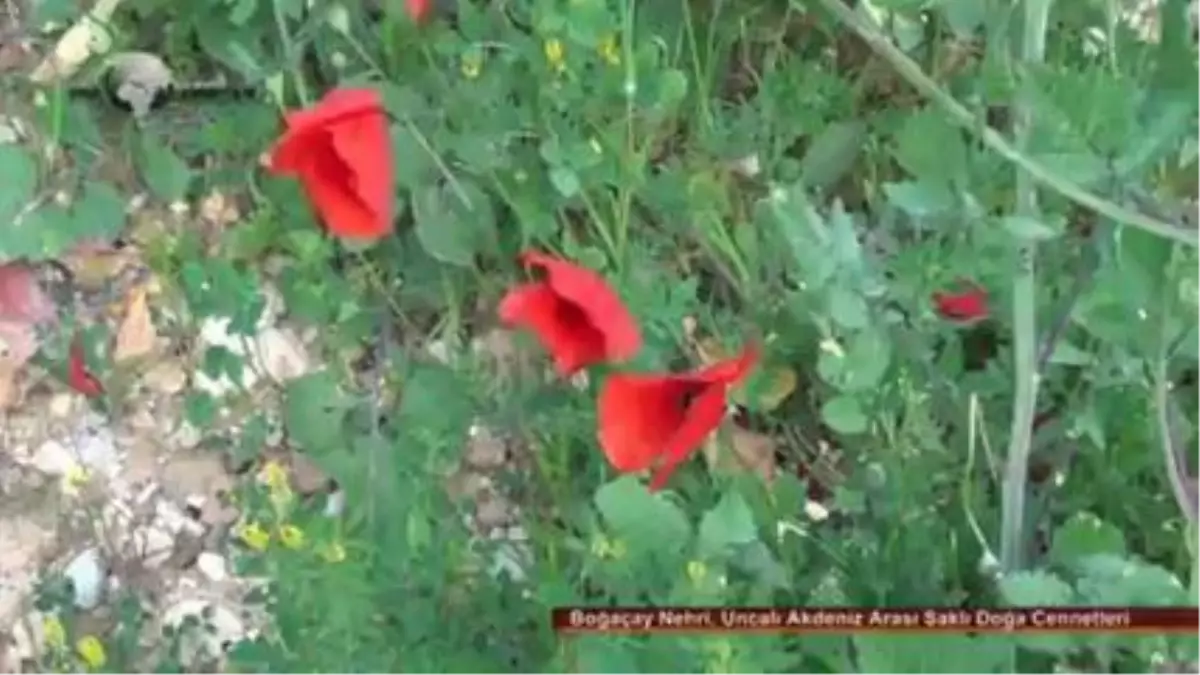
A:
x,y
78,376
417,9
340,151
967,305
573,311
648,419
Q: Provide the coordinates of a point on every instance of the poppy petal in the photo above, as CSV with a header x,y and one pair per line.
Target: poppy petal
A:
x,y
365,148
963,306
596,298
325,179
571,340
333,107
730,371
78,376
703,416
637,415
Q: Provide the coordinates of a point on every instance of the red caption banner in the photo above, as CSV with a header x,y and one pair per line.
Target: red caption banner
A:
x,y
638,620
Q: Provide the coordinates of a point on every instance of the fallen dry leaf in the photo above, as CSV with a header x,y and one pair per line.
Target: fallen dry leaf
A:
x,y
136,336
88,36
94,267
747,451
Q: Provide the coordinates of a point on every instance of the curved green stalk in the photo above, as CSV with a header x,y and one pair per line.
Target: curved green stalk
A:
x,y
962,116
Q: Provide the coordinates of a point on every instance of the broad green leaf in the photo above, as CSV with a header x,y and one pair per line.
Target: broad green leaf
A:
x,y
436,400
952,654
844,414
848,308
1112,580
314,409
1039,588
1026,227
100,212
601,654
645,521
19,176
417,169
867,358
832,153
918,198
1084,535
1036,588
729,523
931,149
454,224
164,172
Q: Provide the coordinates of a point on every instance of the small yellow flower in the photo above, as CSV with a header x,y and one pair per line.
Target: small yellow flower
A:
x,y
291,536
696,571
555,54
274,476
91,650
610,50
74,479
333,552
254,536
471,64
53,633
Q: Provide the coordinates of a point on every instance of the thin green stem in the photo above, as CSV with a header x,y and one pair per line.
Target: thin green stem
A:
x,y
962,116
1025,375
289,53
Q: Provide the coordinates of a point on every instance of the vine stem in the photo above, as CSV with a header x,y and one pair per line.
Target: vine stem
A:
x,y
1024,290
289,53
961,115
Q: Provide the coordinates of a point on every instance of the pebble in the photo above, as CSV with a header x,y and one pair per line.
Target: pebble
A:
x,y
212,566
86,572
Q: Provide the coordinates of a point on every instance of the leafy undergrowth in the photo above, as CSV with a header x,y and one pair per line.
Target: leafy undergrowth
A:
x,y
659,303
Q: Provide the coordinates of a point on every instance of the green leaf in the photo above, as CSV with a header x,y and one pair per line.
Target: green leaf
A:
x,y
100,212
1113,580
844,414
953,654
919,199
164,172
436,400
931,149
866,361
314,409
454,227
847,308
643,520
19,176
1035,588
729,523
1039,588
1084,535
1026,227
832,153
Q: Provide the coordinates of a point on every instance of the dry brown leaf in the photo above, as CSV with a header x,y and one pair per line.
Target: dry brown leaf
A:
x,y
92,269
746,451
136,336
8,384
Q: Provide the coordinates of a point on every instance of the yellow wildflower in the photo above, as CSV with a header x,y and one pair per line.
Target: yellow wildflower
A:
x,y
291,536
91,650
254,536
696,571
53,633
610,50
333,552
274,476
74,479
555,54
472,64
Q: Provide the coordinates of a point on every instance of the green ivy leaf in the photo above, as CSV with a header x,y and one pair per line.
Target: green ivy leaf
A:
x,y
647,522
165,173
314,409
729,523
1083,535
450,229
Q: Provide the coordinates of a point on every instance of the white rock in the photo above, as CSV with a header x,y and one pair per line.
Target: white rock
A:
x,y
28,636
815,511
222,626
185,437
62,404
214,332
212,566
86,572
153,544
96,447
53,458
281,354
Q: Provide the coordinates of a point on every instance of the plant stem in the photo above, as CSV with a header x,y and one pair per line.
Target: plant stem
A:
x,y
289,53
962,116
1012,540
